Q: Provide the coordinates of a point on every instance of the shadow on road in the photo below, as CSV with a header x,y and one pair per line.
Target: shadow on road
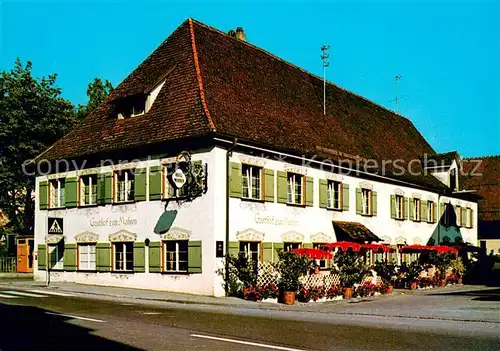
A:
x,y
31,328
477,295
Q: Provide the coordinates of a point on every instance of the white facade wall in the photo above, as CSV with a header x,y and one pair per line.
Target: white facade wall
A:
x,y
204,219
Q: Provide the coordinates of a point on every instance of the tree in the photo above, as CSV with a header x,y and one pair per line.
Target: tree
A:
x,y
97,92
33,115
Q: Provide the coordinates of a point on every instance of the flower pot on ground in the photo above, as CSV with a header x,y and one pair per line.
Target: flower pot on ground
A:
x,y
413,271
387,272
347,293
388,289
289,297
413,285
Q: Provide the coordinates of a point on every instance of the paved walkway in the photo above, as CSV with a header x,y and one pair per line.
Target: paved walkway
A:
x,y
454,303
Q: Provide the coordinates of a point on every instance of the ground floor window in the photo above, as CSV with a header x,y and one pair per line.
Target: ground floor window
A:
x,y
250,249
56,254
176,256
86,257
322,263
290,246
123,256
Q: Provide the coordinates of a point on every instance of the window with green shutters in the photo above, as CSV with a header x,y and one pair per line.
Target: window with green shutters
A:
x,y
57,193
123,185
366,202
71,192
194,256
88,190
397,206
87,256
140,184
43,194
250,182
333,195
282,187
42,257
295,189
70,256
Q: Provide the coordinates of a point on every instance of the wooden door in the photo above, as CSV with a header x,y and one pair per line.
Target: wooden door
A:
x,y
22,256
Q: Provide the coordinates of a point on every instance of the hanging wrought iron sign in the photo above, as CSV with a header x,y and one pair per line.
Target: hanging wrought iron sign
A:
x,y
188,178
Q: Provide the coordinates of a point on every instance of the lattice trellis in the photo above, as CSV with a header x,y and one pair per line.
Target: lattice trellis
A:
x,y
321,279
267,274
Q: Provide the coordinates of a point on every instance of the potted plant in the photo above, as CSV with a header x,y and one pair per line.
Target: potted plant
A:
x,y
334,292
412,274
386,271
291,266
458,269
441,261
269,292
351,270
246,272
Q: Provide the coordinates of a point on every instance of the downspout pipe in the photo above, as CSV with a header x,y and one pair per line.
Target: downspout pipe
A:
x,y
229,153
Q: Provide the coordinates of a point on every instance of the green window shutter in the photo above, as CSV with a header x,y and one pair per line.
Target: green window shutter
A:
x,y
71,189
323,191
69,259
267,252
423,211
234,248
43,194
103,257
194,256
406,207
345,197
393,206
269,185
359,205
412,209
309,191
278,247
140,184
155,257
435,212
282,187
42,257
155,181
374,203
307,245
235,186
139,256
471,218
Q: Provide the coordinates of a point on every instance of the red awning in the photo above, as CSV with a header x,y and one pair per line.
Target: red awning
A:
x,y
376,247
313,253
422,248
343,245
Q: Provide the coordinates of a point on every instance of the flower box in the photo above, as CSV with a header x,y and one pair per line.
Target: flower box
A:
x,y
270,300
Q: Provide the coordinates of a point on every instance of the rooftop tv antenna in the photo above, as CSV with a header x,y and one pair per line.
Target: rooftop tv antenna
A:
x,y
325,56
396,100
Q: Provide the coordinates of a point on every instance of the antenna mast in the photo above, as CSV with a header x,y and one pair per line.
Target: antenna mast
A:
x,y
325,55
398,77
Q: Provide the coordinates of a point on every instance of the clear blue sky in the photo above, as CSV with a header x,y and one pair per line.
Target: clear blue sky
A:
x,y
448,53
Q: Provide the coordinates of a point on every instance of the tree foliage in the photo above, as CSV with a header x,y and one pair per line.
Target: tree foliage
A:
x,y
33,115
97,92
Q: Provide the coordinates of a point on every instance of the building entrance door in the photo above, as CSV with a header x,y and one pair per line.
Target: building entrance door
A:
x,y
25,255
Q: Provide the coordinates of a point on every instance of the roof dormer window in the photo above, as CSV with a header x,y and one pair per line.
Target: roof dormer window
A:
x,y
138,107
131,107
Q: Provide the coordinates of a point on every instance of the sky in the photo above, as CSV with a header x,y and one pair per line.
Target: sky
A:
x,y
447,53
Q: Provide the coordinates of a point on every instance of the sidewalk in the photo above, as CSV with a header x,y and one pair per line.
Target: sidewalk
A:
x,y
454,303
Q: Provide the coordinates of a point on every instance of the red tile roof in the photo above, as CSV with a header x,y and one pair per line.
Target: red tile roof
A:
x,y
483,175
216,84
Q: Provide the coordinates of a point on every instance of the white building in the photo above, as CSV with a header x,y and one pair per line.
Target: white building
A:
x,y
213,145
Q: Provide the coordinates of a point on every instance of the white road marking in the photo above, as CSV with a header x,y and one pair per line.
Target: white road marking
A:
x,y
76,317
151,313
22,293
245,342
49,292
9,296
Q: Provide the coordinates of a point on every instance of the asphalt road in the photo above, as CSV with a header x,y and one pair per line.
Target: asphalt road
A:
x,y
39,320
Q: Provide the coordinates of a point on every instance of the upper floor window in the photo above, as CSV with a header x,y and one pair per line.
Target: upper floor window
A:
x,y
333,194
57,193
169,189
430,212
416,209
399,203
176,256
124,185
295,186
469,218
132,107
366,201
251,181
88,190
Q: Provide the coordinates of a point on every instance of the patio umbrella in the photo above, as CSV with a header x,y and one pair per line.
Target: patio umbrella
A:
x,y
376,247
415,248
313,253
445,249
343,245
